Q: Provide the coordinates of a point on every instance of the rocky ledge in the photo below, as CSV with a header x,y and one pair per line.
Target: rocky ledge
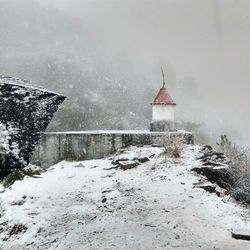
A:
x,y
214,166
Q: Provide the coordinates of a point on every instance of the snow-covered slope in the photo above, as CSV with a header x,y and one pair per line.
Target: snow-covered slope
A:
x,y
92,205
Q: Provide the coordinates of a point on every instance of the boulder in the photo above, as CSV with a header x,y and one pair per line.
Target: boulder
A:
x,y
25,112
143,159
125,165
241,235
116,161
217,175
209,187
214,166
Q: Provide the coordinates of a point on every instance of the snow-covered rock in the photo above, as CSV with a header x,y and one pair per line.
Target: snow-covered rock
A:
x,y
25,112
214,166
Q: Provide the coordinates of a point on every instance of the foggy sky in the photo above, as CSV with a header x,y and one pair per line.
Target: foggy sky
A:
x,y
208,40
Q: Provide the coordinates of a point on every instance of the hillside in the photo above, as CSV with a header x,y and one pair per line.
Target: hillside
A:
x,y
93,205
105,89
45,45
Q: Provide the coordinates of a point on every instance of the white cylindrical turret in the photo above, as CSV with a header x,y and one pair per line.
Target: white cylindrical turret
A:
x,y
163,111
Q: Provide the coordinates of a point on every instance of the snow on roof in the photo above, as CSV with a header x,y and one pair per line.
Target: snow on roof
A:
x,y
163,97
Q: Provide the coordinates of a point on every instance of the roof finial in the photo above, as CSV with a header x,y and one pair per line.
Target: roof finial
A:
x,y
163,78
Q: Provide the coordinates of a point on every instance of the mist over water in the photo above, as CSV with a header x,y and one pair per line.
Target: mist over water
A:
x,y
106,56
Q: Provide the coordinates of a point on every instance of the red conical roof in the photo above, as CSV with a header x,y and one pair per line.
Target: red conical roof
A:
x,y
163,97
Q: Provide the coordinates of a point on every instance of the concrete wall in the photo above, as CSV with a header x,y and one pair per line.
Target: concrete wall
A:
x,y
163,126
163,112
76,146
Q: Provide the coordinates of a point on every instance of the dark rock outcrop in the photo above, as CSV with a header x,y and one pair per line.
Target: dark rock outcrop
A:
x,y
241,236
25,112
217,175
209,187
142,159
125,165
214,166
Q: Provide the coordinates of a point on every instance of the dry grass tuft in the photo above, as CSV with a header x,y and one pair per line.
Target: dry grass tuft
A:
x,y
173,147
17,229
239,169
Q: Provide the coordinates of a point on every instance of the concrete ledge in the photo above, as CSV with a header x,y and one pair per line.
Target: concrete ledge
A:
x,y
86,145
163,126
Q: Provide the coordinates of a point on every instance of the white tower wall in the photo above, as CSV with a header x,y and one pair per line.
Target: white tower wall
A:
x,y
163,113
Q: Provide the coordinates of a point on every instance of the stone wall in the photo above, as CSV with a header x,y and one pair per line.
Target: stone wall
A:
x,y
77,146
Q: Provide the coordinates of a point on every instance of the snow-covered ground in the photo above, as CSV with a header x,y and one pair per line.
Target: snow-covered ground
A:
x,y
91,205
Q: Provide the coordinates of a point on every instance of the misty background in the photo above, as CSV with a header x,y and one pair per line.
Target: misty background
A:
x,y
105,56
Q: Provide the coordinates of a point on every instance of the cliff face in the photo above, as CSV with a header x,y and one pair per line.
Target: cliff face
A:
x,y
25,112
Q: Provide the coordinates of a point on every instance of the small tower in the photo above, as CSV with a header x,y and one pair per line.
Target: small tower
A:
x,y
163,108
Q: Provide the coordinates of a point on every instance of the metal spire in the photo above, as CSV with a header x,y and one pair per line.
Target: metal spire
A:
x,y
163,78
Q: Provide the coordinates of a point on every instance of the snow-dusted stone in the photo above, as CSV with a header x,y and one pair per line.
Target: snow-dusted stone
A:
x,y
25,112
125,165
214,166
241,235
217,175
143,159
209,187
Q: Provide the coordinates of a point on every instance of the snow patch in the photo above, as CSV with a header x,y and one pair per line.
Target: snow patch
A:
x,y
82,205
